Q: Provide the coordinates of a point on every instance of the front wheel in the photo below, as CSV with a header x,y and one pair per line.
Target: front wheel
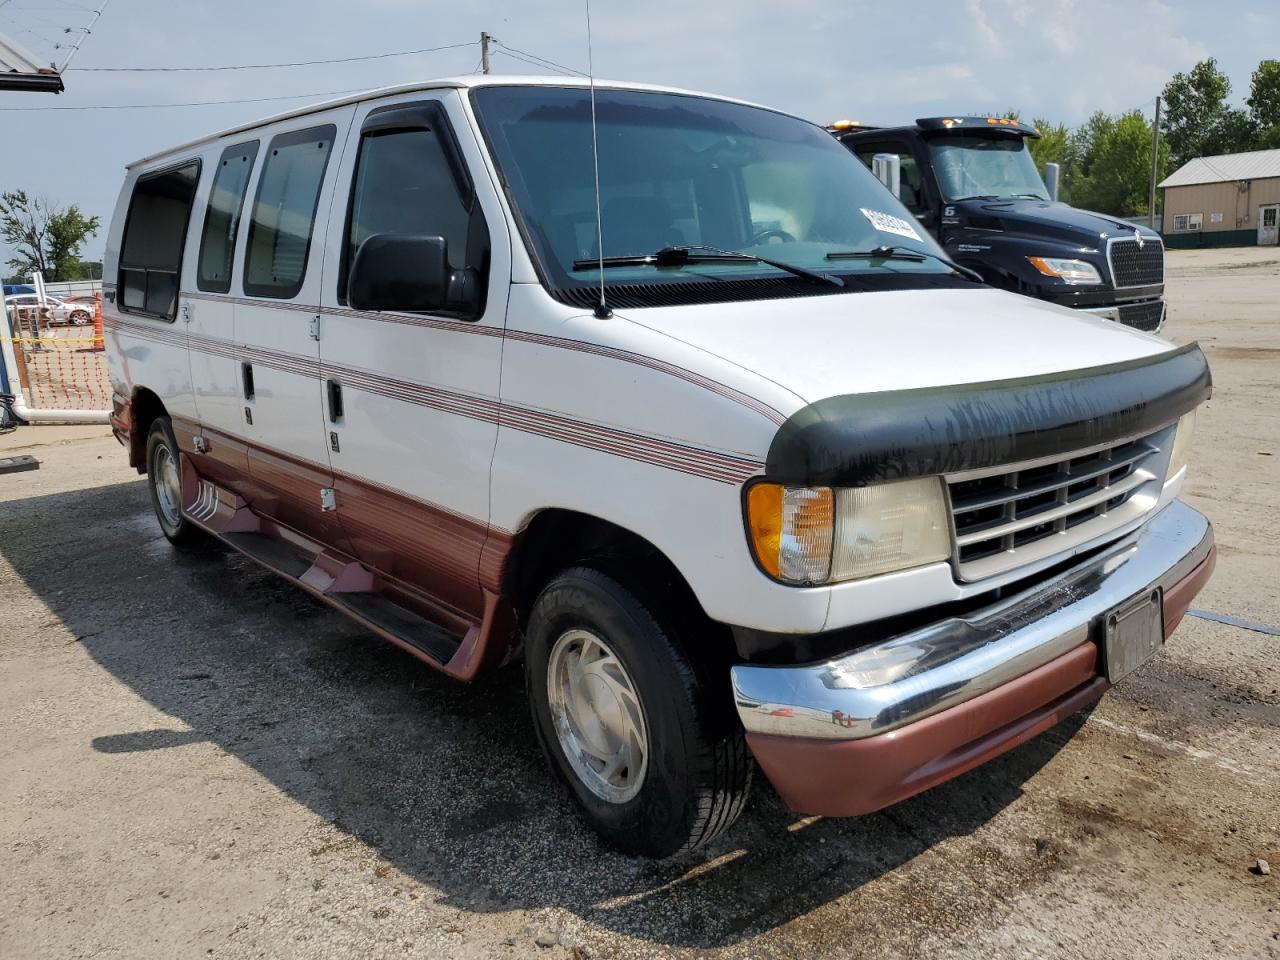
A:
x,y
164,479
81,318
645,737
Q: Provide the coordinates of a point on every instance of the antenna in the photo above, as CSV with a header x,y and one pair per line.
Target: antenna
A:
x,y
602,311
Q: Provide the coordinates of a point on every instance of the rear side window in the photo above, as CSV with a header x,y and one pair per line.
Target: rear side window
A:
x,y
284,212
222,218
155,233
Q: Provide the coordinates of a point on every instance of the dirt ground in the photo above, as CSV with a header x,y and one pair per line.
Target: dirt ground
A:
x,y
198,760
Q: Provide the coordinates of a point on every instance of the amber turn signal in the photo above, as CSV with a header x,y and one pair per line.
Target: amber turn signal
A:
x,y
791,529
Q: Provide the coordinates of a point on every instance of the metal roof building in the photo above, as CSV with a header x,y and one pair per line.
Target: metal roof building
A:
x,y
19,70
1230,200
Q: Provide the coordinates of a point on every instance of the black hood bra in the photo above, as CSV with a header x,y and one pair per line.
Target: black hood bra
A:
x,y
859,439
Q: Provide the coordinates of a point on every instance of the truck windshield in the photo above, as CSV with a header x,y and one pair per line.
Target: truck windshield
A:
x,y
679,170
980,166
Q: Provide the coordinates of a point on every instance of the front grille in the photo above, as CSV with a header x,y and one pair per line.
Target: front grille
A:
x,y
1134,266
1147,315
1012,516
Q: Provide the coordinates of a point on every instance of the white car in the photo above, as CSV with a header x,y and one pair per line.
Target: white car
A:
x,y
728,451
54,310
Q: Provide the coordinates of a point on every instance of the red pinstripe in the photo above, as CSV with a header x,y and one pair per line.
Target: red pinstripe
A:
x,y
656,451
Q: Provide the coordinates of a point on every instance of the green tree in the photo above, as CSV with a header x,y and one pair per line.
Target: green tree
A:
x,y
45,237
1116,178
1264,103
1087,140
1269,139
68,230
1197,121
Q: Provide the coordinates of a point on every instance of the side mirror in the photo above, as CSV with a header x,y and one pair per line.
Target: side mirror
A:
x,y
1052,174
410,274
888,170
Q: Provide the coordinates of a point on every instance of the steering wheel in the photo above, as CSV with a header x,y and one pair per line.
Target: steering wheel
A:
x,y
766,235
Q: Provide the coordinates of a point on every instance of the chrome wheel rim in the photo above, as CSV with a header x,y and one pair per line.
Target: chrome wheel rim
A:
x,y
598,716
168,488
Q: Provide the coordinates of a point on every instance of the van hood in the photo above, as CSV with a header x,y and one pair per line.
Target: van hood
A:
x,y
1048,220
840,344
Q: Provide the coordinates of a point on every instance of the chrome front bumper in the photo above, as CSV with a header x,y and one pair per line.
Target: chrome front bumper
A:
x,y
917,674
1112,312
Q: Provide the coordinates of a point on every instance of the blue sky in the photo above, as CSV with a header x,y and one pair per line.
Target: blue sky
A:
x,y
821,59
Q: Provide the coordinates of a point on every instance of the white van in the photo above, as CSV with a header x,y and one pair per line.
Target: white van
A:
x,y
797,493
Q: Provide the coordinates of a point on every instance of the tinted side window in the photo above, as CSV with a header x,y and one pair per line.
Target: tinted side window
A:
x,y
404,185
284,212
222,218
155,232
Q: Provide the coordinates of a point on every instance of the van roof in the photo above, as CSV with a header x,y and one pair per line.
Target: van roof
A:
x,y
458,82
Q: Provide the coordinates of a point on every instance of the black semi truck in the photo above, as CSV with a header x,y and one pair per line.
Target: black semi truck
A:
x,y
971,182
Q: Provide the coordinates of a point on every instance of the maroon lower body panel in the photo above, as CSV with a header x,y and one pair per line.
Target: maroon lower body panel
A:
x,y
422,545
1178,597
443,566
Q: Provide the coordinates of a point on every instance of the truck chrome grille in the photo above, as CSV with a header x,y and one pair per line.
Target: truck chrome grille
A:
x,y
1016,515
1133,265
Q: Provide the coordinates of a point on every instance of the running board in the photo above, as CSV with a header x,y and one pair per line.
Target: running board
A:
x,y
338,580
388,617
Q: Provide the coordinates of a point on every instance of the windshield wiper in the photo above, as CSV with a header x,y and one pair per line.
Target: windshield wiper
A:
x,y
904,253
679,256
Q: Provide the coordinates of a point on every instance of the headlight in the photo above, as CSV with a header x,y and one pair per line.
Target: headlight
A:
x,y
1181,444
1068,271
814,535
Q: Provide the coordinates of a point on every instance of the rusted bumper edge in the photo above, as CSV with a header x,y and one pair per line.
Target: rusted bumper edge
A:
x,y
864,731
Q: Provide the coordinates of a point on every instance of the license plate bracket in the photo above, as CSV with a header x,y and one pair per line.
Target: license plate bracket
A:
x,y
1133,633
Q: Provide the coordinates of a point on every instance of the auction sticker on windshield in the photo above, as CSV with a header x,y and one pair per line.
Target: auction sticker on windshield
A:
x,y
888,223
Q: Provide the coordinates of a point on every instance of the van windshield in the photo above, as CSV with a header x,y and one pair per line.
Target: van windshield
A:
x,y
969,166
679,170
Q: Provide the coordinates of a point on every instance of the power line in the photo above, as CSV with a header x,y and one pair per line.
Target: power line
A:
x,y
268,66
542,60
198,103
533,63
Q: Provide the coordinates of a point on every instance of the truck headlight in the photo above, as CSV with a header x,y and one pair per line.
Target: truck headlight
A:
x,y
1181,444
815,535
1068,271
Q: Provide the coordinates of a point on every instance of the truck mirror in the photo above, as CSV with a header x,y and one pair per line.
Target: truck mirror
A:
x,y
1051,174
888,171
410,274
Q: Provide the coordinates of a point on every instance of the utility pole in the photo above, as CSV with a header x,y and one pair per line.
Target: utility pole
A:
x,y
484,51
1155,162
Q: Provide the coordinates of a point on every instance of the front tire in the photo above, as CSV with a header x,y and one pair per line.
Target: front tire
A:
x,y
644,736
164,480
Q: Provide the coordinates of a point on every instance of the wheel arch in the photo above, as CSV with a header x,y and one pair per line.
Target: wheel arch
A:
x,y
145,407
555,539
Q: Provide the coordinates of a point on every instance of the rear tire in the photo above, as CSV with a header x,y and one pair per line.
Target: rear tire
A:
x,y
164,480
645,738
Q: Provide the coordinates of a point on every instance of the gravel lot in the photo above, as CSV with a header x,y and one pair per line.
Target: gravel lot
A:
x,y
198,760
